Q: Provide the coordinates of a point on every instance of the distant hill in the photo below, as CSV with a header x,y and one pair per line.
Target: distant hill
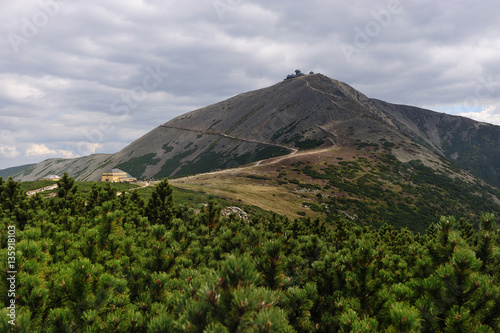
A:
x,y
77,168
302,113
5,173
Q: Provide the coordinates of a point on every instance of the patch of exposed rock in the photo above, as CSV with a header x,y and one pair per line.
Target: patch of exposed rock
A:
x,y
240,213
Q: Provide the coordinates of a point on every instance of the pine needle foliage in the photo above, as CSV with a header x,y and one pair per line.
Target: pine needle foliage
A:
x,y
114,263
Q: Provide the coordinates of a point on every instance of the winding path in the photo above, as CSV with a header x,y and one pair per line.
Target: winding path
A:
x,y
230,137
272,160
269,161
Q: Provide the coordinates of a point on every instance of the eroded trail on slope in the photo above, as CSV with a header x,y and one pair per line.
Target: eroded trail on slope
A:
x,y
273,160
228,136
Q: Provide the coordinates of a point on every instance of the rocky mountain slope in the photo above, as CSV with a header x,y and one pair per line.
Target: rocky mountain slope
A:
x,y
367,185
14,170
303,113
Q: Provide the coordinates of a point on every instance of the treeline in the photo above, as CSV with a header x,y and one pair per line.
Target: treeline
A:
x,y
121,264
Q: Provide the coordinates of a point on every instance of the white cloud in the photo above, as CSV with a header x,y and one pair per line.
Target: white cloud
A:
x,y
41,150
8,151
490,114
14,88
87,148
8,148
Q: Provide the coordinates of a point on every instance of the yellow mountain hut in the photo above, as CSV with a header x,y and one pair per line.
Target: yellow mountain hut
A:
x,y
117,176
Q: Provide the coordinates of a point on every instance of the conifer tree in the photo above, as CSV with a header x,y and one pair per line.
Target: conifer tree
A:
x,y
443,243
14,203
235,303
211,213
458,296
466,230
299,304
67,196
136,201
486,250
270,264
404,318
67,187
161,209
10,194
99,195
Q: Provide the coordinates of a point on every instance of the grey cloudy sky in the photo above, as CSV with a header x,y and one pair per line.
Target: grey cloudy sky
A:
x,y
82,77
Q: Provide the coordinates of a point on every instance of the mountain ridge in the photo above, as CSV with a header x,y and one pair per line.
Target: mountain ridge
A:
x,y
302,113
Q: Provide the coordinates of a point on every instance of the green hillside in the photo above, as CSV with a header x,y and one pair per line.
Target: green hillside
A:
x,y
11,171
111,263
365,184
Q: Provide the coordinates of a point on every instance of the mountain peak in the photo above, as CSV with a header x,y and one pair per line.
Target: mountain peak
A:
x,y
306,111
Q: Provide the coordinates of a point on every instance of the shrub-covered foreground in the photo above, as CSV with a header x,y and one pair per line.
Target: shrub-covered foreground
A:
x,y
118,264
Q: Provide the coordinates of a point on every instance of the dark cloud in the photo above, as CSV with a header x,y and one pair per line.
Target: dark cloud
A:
x,y
83,77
